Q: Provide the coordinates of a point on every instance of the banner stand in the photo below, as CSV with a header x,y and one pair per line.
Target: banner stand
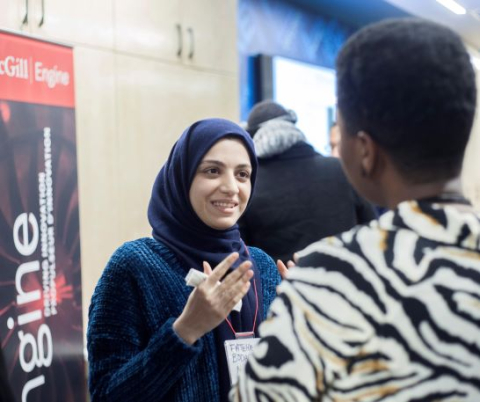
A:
x,y
41,330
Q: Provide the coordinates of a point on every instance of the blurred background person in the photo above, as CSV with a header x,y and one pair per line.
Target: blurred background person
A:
x,y
300,196
388,311
334,140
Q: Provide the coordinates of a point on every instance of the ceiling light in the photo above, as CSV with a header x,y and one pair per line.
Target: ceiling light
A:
x,y
453,6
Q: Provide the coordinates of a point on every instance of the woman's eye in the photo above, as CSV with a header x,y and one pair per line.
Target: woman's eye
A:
x,y
244,175
211,171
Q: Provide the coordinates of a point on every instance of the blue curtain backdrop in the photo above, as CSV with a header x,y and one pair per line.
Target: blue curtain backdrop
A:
x,y
278,28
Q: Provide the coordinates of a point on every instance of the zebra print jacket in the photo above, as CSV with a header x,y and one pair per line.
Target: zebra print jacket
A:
x,y
384,312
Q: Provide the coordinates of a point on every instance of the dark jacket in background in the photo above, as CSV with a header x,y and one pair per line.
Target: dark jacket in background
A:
x,y
300,197
5,390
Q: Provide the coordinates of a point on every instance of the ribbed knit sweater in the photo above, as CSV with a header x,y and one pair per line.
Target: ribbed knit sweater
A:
x,y
134,354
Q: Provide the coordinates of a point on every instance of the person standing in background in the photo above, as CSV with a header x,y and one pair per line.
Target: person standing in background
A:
x,y
387,311
334,140
300,196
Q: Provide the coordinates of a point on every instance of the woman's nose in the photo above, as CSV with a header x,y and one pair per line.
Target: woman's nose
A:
x,y
229,184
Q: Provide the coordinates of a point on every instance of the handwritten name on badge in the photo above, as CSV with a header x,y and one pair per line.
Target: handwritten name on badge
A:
x,y
237,351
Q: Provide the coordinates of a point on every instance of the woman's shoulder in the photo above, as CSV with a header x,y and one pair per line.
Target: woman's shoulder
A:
x,y
260,256
135,265
141,253
264,262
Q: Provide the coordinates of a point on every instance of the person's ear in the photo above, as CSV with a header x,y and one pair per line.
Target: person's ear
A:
x,y
369,153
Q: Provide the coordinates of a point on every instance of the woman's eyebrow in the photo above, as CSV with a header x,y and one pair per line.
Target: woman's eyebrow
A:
x,y
219,163
212,162
244,166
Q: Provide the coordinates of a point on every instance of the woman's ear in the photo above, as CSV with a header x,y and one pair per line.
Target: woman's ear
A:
x,y
369,154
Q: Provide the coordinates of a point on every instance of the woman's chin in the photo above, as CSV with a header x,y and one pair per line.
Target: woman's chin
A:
x,y
222,223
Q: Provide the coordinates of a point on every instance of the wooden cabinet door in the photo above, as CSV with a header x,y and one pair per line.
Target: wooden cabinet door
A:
x,y
87,22
13,15
155,103
210,34
148,28
98,176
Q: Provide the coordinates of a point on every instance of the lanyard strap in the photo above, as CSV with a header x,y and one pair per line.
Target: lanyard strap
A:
x,y
256,312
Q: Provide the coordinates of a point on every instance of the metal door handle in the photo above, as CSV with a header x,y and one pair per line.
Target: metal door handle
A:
x,y
42,20
180,40
192,43
25,17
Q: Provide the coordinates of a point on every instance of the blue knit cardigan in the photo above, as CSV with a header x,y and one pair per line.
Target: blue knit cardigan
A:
x,y
133,352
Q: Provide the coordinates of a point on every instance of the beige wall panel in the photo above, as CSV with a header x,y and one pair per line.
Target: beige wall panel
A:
x,y
148,28
87,22
156,102
471,165
210,33
97,164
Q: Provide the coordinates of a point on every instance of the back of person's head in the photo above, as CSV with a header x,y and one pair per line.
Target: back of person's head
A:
x,y
265,111
410,85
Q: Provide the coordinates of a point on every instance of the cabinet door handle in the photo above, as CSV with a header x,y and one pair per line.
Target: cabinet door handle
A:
x,y
192,43
180,40
25,17
42,20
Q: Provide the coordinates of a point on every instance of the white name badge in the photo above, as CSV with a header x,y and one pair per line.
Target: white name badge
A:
x,y
237,351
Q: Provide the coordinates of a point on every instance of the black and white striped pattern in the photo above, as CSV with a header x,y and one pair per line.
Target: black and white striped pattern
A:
x,y
386,312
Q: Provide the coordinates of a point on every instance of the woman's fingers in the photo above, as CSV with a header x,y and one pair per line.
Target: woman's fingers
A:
x,y
221,269
239,296
233,283
234,287
230,296
207,269
237,273
212,301
282,269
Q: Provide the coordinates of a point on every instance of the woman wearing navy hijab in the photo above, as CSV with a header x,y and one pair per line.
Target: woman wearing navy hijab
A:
x,y
150,336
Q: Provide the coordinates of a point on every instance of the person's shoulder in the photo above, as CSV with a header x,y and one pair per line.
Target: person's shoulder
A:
x,y
329,164
264,262
268,270
137,254
346,248
131,250
260,257
327,160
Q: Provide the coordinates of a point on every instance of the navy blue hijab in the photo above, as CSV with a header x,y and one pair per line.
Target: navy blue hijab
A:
x,y
170,212
176,225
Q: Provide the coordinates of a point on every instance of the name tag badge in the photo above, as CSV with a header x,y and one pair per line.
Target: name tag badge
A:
x,y
237,351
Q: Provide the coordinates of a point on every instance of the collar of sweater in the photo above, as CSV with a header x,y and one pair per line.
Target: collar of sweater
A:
x,y
275,137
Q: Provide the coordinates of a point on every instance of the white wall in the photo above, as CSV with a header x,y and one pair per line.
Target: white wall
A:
x,y
471,165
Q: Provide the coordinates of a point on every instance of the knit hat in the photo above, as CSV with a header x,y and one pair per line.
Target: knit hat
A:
x,y
265,111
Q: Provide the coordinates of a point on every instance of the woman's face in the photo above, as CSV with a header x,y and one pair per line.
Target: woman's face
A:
x,y
221,187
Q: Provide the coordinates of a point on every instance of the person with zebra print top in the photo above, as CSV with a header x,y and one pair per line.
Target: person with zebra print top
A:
x,y
389,311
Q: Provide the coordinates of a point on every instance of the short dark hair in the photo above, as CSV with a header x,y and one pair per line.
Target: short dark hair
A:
x,y
410,84
265,111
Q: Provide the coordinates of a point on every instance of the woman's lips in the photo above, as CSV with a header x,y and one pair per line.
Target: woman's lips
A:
x,y
225,206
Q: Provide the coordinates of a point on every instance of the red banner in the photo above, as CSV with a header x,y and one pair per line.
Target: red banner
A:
x,y
36,72
41,329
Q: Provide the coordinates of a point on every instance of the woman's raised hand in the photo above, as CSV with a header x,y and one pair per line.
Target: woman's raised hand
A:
x,y
211,302
283,269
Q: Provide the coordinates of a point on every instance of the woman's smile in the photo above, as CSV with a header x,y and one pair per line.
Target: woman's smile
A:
x,y
225,206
